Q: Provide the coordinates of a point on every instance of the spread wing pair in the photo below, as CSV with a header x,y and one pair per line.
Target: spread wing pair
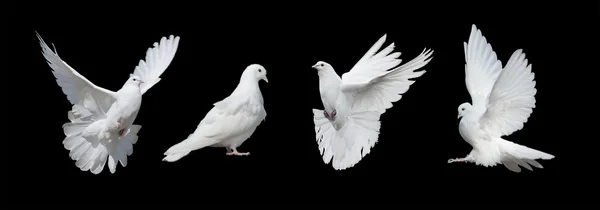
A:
x,y
100,128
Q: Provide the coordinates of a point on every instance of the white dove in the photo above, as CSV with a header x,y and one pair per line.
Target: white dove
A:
x,y
101,124
231,121
353,104
503,100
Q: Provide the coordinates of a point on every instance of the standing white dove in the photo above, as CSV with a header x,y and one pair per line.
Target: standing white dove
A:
x,y
231,121
101,124
349,126
503,100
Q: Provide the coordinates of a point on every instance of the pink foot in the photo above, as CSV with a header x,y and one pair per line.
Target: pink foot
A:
x,y
333,113
236,153
121,132
325,113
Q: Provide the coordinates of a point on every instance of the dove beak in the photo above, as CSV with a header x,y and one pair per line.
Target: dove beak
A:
x,y
265,79
458,119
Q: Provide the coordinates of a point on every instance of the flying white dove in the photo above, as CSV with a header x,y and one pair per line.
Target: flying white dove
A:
x,y
349,126
101,124
503,100
231,121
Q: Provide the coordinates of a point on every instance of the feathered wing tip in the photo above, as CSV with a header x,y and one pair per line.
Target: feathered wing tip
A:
x,y
346,147
90,153
519,155
157,60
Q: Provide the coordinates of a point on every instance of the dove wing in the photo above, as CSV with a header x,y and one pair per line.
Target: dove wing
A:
x,y
512,99
481,69
372,87
158,58
78,89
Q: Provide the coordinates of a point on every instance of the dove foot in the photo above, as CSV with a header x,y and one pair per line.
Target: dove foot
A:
x,y
236,153
456,160
122,132
333,113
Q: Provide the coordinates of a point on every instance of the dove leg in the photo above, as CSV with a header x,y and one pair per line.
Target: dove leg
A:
x,y
119,123
457,160
236,153
326,114
333,113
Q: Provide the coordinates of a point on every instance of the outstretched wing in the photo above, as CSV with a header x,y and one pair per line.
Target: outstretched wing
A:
x,y
157,60
512,99
78,89
372,87
481,69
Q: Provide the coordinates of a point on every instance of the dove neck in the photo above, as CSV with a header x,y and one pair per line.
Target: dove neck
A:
x,y
247,85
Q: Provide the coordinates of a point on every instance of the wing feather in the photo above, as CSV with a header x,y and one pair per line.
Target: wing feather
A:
x,y
79,90
158,58
481,69
512,100
372,87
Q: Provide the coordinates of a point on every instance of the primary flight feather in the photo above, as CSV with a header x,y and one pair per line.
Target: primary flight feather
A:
x,y
101,128
503,99
231,121
349,126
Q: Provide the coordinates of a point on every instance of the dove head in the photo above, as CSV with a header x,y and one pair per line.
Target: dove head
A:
x,y
321,65
258,72
135,80
463,109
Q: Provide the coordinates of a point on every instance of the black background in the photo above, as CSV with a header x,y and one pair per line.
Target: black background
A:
x,y
419,134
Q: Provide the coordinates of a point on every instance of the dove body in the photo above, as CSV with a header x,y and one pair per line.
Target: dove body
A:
x,y
101,129
503,99
231,121
348,127
121,114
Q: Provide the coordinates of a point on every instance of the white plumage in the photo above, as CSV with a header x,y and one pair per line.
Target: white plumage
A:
x,y
503,99
231,121
101,124
349,126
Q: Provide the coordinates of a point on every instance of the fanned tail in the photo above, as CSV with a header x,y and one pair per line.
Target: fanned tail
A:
x,y
519,155
351,143
91,153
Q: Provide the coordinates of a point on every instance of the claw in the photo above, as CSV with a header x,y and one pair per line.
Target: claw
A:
x,y
456,160
236,153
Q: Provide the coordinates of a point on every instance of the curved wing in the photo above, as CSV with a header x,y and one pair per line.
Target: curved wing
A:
x,y
78,89
481,69
157,60
512,100
372,87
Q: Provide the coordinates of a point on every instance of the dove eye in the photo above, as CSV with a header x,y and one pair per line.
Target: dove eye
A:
x,y
322,65
259,70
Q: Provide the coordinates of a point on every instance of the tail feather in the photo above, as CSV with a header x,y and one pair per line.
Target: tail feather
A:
x,y
89,152
193,142
175,156
347,146
519,155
